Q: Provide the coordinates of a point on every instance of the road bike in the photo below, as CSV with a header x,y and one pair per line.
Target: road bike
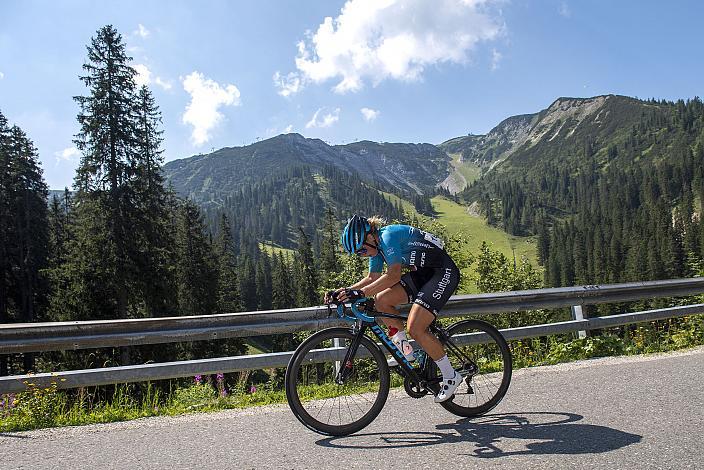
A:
x,y
338,379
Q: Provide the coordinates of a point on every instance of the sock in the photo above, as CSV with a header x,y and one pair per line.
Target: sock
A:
x,y
399,336
401,340
445,367
392,331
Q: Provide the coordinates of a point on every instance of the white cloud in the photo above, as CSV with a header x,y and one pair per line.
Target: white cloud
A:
x,y
166,85
69,154
144,77
370,114
392,39
2,75
289,84
495,59
565,10
207,96
325,121
142,31
272,131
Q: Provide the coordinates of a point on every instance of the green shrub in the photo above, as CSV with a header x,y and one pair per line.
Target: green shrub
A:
x,y
195,396
596,346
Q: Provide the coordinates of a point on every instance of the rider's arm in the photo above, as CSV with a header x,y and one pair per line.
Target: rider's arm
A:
x,y
389,279
371,277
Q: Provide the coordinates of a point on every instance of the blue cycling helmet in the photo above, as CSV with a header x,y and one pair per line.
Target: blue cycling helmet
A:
x,y
354,233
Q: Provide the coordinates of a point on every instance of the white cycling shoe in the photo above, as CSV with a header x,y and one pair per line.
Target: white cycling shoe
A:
x,y
448,387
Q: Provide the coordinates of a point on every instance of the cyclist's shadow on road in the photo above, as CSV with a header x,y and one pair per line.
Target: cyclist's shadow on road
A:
x,y
500,435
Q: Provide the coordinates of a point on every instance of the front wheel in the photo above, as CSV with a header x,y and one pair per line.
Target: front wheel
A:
x,y
480,353
329,402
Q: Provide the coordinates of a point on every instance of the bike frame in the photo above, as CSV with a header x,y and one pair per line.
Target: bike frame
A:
x,y
364,321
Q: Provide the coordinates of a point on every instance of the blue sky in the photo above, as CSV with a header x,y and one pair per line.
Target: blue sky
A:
x,y
227,73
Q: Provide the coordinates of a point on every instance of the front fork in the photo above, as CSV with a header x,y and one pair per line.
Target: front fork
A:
x,y
346,367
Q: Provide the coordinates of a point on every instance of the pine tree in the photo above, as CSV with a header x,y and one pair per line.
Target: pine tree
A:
x,y
304,273
150,224
329,262
248,288
196,268
229,299
105,198
281,288
24,233
5,224
262,280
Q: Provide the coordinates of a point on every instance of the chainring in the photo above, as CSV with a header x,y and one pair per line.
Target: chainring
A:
x,y
413,389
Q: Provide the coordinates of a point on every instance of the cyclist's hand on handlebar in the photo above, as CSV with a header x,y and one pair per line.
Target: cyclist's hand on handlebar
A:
x,y
331,296
350,295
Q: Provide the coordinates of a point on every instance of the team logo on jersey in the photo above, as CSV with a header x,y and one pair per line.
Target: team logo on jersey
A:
x,y
421,244
443,284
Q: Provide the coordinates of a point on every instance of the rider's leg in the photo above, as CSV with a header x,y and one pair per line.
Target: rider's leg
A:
x,y
387,300
418,321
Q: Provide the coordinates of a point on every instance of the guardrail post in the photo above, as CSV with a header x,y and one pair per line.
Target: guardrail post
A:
x,y
336,342
578,314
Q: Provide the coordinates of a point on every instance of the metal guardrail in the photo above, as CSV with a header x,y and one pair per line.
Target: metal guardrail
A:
x,y
33,337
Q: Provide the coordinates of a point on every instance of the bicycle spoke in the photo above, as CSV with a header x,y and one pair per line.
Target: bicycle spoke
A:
x,y
488,361
323,404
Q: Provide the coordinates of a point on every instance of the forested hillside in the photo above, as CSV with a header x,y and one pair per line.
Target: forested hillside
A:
x,y
613,189
274,207
271,188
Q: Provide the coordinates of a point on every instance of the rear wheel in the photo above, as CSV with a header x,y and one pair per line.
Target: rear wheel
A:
x,y
480,353
313,387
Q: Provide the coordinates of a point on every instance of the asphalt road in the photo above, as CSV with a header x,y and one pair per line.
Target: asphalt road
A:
x,y
615,413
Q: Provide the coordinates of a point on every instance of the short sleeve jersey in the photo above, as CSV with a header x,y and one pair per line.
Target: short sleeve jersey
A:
x,y
409,246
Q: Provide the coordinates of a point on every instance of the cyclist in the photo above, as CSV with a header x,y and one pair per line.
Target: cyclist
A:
x,y
430,283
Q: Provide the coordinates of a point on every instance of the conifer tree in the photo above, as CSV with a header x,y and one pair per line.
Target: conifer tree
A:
x,y
24,231
196,269
248,288
281,288
5,223
305,274
262,281
329,262
105,202
229,299
151,219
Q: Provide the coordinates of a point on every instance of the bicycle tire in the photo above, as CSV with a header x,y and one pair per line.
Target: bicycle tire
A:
x,y
299,366
495,354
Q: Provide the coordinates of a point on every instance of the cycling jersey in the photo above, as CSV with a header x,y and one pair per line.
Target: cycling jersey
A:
x,y
409,246
435,276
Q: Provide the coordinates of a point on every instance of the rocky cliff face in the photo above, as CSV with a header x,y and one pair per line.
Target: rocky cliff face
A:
x,y
485,150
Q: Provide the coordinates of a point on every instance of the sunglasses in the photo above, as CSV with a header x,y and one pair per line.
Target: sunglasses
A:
x,y
363,251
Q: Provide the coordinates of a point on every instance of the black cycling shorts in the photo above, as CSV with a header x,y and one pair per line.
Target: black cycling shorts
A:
x,y
431,287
